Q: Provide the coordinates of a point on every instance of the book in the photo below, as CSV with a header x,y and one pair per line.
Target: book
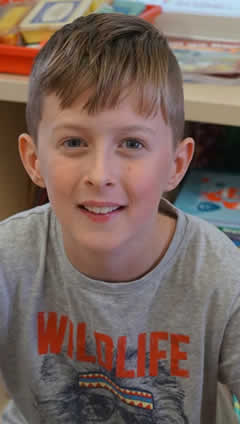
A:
x,y
210,7
232,233
214,196
208,61
204,36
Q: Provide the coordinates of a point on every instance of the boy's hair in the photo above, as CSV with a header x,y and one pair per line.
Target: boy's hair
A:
x,y
108,56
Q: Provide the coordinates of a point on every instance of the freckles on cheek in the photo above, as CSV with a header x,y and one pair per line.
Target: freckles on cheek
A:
x,y
148,196
145,184
58,181
151,183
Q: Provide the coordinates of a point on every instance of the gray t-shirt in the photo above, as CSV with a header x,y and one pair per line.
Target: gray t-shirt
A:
x,y
77,350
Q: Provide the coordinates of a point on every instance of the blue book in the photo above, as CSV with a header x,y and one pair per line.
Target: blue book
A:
x,y
214,196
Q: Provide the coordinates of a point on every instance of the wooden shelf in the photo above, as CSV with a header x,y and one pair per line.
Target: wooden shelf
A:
x,y
203,102
13,88
212,103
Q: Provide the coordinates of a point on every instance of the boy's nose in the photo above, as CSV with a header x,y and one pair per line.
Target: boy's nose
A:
x,y
100,173
98,182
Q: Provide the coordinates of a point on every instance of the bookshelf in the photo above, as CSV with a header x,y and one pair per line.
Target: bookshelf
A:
x,y
203,103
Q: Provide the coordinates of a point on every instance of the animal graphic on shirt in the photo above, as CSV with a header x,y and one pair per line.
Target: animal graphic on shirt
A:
x,y
93,395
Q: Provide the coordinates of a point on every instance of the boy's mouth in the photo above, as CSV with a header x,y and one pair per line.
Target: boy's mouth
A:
x,y
102,207
101,212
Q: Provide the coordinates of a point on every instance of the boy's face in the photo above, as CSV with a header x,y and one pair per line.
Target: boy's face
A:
x,y
115,159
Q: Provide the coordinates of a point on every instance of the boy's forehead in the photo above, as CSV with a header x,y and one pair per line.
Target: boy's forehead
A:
x,y
52,106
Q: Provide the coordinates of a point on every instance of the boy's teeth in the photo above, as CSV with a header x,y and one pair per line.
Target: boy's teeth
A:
x,y
101,210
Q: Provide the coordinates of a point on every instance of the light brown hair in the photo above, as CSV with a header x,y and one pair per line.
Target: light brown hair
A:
x,y
108,55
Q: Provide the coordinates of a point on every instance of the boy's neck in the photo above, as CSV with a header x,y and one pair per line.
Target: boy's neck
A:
x,y
130,263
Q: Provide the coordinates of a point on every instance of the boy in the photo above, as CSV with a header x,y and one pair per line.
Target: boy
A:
x,y
114,309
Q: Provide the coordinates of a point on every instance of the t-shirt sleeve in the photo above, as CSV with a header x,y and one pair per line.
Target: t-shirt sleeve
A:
x,y
229,366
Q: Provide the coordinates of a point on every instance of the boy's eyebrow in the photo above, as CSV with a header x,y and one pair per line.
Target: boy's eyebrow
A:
x,y
141,128
77,127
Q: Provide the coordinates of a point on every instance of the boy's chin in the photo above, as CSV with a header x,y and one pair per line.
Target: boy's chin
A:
x,y
103,246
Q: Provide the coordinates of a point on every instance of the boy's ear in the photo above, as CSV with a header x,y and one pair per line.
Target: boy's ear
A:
x,y
28,153
183,156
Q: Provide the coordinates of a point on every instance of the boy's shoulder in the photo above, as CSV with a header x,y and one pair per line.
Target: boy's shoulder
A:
x,y
200,250
24,230
207,249
26,218
195,233
206,262
196,237
205,233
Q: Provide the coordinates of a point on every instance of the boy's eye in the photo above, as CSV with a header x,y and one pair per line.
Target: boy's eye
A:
x,y
74,142
133,144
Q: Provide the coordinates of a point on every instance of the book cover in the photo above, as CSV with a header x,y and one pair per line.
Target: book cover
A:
x,y
214,196
233,233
